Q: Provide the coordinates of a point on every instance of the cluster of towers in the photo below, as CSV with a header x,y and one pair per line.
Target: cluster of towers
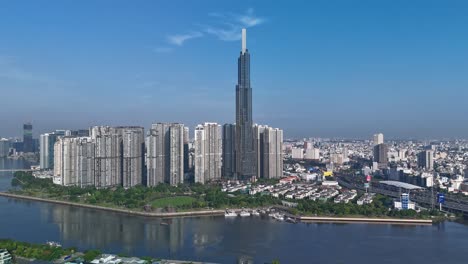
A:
x,y
124,156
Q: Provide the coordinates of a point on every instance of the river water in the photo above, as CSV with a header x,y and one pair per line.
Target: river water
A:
x,y
215,239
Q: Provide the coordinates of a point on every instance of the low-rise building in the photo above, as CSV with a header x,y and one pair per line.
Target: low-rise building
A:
x,y
5,257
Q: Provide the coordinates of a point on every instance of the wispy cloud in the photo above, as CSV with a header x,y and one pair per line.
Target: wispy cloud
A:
x,y
249,19
227,27
179,39
224,26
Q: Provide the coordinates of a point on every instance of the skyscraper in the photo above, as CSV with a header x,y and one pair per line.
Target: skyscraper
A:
x,y
46,148
426,159
5,145
244,152
133,147
165,154
108,159
74,161
208,153
228,148
28,138
269,151
378,139
187,166
381,154
272,154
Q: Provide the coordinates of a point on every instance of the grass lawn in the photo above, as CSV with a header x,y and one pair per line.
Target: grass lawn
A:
x,y
173,201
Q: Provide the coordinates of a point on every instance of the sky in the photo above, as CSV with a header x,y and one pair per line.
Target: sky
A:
x,y
319,68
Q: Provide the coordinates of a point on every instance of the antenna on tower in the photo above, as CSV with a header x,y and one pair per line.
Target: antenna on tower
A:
x,y
244,40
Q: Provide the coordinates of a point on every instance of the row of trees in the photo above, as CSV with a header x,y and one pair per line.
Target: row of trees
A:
x,y
35,251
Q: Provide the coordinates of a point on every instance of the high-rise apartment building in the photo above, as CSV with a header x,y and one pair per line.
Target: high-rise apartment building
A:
x,y
165,154
271,153
426,159
187,165
312,154
381,154
108,159
5,145
258,148
133,148
244,152
119,155
228,148
208,152
74,161
378,139
28,143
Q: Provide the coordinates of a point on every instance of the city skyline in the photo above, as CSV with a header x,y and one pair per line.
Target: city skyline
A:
x,y
334,71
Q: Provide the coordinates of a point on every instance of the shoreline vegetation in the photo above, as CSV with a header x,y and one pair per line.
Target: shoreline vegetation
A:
x,y
204,200
55,253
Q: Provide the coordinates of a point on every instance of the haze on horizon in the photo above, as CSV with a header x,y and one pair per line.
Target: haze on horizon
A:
x,y
323,68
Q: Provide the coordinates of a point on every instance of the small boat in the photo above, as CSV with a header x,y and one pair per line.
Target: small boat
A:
x,y
244,213
53,244
278,217
229,213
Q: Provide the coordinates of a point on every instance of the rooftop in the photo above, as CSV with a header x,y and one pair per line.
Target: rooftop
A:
x,y
403,185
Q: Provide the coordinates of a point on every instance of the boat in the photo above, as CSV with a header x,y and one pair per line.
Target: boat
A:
x,y
278,216
291,220
244,213
229,213
255,213
53,244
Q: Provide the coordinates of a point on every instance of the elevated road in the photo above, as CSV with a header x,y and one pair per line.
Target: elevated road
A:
x,y
14,170
421,197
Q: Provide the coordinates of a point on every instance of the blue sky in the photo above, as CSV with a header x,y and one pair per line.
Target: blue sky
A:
x,y
319,68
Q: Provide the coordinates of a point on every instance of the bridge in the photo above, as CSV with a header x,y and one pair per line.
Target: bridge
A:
x,y
14,170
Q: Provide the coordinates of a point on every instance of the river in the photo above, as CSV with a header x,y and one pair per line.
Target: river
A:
x,y
215,239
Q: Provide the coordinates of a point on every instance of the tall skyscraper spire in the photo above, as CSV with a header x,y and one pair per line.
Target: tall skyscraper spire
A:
x,y
244,40
245,152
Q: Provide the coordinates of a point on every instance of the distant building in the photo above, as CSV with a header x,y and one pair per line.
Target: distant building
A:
x,y
381,154
165,154
312,154
208,152
46,148
228,148
426,159
378,139
297,153
28,138
78,133
5,145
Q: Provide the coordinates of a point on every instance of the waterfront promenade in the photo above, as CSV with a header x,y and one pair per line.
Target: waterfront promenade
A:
x,y
221,213
365,220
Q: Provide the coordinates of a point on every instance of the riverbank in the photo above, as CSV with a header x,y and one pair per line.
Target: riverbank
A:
x,y
221,213
117,210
